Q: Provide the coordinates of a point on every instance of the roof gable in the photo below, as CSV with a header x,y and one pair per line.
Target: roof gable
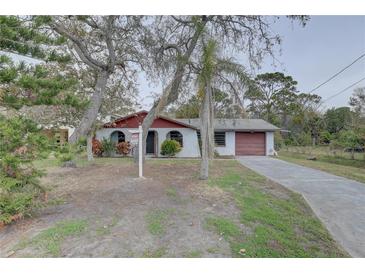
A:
x,y
135,119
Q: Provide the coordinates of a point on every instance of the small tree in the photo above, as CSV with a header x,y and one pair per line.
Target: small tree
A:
x,y
349,139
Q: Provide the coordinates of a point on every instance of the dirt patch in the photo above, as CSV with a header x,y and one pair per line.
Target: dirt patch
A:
x,y
115,205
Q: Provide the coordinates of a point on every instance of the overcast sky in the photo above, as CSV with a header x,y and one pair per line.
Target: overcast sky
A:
x,y
323,47
313,54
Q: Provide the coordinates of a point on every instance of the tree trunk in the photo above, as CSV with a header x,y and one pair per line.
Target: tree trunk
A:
x,y
92,111
314,141
206,133
89,147
171,92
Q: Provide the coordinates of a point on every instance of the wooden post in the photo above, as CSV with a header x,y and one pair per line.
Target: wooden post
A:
x,y
140,150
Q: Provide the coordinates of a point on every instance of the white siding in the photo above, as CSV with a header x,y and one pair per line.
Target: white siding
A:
x,y
229,148
190,140
269,143
106,132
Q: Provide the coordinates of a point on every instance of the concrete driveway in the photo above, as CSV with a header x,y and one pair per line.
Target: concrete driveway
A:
x,y
337,201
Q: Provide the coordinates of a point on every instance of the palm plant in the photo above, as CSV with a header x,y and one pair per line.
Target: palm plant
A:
x,y
216,73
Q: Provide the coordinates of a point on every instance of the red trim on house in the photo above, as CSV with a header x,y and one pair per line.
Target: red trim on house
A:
x,y
135,119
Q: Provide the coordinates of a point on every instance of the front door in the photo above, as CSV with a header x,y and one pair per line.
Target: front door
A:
x,y
150,143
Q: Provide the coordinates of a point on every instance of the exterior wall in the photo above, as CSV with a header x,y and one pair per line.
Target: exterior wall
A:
x,y
190,139
229,148
269,143
106,132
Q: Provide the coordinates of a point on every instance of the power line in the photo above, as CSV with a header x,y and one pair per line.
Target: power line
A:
x,y
342,91
335,75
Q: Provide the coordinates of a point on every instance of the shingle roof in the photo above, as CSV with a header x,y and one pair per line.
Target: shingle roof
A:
x,y
234,124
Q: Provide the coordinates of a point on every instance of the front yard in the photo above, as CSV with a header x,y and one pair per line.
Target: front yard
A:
x,y
102,210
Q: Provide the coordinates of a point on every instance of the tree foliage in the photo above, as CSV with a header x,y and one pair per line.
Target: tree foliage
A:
x,y
20,143
337,119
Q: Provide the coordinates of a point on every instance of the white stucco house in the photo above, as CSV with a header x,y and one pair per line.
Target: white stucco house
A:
x,y
233,137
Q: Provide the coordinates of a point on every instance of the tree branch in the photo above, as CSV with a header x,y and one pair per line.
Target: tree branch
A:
x,y
79,47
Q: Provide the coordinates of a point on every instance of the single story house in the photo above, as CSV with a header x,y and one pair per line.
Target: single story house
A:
x,y
233,137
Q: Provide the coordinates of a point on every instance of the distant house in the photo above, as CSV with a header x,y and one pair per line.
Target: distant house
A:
x,y
59,135
233,137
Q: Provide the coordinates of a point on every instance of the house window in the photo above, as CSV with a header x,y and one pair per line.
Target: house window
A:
x,y
175,135
220,139
117,137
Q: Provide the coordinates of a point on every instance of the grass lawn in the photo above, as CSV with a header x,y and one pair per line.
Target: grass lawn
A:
x,y
336,166
280,222
106,212
329,155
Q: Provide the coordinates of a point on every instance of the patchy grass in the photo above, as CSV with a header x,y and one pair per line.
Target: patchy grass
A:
x,y
46,163
193,254
172,161
105,229
280,222
339,167
156,221
49,241
81,161
156,253
212,250
223,227
268,221
330,155
171,192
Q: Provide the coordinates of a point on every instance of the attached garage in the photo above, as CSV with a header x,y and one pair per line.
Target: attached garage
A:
x,y
241,137
250,143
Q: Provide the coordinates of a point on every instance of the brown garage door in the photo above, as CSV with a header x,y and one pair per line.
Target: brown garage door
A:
x,y
248,143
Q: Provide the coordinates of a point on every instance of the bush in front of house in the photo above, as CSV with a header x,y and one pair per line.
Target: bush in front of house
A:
x,y
108,147
123,148
170,148
97,147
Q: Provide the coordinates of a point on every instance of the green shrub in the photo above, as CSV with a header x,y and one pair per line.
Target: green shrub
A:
x,y
21,142
65,153
14,203
108,147
170,148
65,157
350,140
325,137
